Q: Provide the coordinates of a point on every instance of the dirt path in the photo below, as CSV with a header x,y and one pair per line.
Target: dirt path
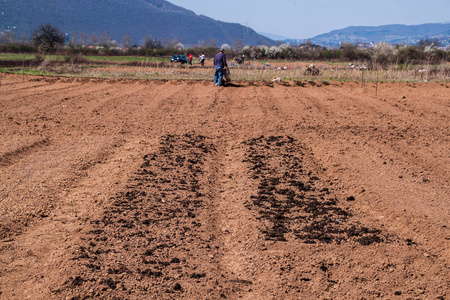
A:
x,y
175,189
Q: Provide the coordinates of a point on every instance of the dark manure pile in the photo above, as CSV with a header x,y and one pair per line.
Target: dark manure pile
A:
x,y
293,202
155,237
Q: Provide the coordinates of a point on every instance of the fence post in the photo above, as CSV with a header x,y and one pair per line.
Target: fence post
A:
x,y
363,82
376,89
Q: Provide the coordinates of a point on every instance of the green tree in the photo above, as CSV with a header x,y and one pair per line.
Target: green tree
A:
x,y
349,51
407,54
47,37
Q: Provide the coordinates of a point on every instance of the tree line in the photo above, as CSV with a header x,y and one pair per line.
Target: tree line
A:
x,y
49,39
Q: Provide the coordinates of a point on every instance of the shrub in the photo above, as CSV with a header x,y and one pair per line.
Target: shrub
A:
x,y
407,54
383,54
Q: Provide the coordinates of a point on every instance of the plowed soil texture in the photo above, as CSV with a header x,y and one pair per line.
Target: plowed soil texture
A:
x,y
124,189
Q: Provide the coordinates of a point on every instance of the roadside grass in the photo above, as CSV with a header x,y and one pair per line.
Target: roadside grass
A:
x,y
32,72
119,59
13,56
127,58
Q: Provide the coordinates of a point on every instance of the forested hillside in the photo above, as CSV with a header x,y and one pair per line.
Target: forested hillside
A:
x,y
137,18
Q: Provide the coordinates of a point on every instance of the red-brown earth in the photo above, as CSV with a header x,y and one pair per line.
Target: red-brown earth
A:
x,y
122,189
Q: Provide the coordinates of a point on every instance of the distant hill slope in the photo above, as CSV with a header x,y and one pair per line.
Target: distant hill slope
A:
x,y
393,34
158,18
272,36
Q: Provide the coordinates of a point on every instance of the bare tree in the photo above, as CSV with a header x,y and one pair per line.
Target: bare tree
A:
x,y
431,43
173,43
23,39
95,39
7,37
212,43
73,38
127,42
238,45
150,43
105,39
84,38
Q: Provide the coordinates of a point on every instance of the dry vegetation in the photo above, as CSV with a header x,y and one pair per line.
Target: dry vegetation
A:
x,y
77,66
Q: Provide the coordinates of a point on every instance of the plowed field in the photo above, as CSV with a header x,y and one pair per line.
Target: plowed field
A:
x,y
123,189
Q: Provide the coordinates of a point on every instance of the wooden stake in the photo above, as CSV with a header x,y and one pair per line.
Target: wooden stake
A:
x,y
362,78
363,81
376,89
23,69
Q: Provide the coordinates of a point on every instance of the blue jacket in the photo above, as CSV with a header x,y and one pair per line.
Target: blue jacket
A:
x,y
220,60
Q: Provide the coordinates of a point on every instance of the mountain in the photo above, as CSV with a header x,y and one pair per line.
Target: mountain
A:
x,y
392,34
274,37
137,18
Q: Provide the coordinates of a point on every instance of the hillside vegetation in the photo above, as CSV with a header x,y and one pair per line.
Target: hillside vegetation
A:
x,y
136,18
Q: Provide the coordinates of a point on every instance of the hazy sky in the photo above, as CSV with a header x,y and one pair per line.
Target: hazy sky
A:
x,y
306,19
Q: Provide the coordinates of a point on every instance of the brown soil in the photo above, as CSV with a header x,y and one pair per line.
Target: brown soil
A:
x,y
121,189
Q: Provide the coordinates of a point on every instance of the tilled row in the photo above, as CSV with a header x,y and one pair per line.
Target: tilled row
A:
x,y
159,236
246,83
292,201
156,237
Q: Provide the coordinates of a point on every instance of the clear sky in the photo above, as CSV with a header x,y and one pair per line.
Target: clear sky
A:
x,y
305,19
